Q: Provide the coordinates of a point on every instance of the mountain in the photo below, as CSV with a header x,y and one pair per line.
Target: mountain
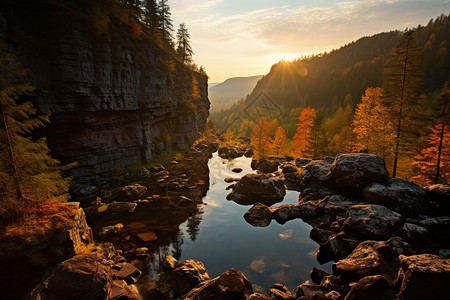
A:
x,y
226,93
336,79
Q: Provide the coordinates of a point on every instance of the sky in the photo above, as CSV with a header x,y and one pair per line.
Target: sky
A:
x,y
232,38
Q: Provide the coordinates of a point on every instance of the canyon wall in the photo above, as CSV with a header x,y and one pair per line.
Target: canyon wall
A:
x,y
116,98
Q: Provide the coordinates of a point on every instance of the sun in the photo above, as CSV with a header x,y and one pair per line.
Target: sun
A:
x,y
286,57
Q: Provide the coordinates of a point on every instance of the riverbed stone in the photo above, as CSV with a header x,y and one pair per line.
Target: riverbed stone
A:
x,y
262,188
319,235
126,194
372,221
440,194
372,288
187,275
82,277
400,195
168,263
336,247
334,283
356,170
278,294
423,276
230,285
317,275
229,152
121,207
259,215
364,261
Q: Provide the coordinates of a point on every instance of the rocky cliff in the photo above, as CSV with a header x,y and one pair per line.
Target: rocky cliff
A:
x,y
116,98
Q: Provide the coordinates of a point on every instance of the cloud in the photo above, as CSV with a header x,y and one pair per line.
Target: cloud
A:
x,y
237,35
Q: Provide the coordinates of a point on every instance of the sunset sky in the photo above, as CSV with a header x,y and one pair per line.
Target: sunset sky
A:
x,y
242,38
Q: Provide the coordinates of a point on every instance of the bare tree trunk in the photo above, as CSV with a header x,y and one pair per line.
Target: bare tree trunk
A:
x,y
15,174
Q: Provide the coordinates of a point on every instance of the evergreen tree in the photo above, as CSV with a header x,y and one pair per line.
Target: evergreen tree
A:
x,y
151,17
26,169
316,144
403,79
166,22
184,48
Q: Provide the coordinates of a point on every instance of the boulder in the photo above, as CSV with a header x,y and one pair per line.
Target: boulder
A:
x,y
371,221
82,277
121,207
127,193
231,285
307,289
110,230
438,228
416,235
126,271
440,194
334,283
187,275
320,236
402,196
237,170
424,276
335,248
356,170
286,212
372,288
364,261
258,296
293,181
261,188
278,294
289,168
267,166
315,173
317,275
399,246
259,215
302,162
168,263
228,152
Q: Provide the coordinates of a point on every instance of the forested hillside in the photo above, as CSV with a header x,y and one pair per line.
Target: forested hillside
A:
x,y
332,84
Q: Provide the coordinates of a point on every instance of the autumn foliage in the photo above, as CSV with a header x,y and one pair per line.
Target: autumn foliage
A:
x,y
304,125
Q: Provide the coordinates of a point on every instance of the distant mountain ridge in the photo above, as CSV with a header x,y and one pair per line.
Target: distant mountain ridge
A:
x,y
231,90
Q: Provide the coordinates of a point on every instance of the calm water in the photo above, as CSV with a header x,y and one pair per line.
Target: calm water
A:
x,y
223,240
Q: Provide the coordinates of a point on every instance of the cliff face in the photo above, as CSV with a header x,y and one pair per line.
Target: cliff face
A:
x,y
115,99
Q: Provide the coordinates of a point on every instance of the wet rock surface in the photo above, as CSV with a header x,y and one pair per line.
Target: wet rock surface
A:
x,y
423,276
188,275
84,277
262,188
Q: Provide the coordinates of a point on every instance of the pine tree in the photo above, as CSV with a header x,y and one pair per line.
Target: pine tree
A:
x,y
184,48
316,144
304,125
26,169
151,17
403,78
166,22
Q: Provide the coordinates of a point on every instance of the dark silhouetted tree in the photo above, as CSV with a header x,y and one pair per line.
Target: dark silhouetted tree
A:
x,y
403,80
166,22
184,48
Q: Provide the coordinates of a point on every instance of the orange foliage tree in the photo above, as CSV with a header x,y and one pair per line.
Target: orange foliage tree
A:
x,y
433,162
279,146
371,125
260,138
304,125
